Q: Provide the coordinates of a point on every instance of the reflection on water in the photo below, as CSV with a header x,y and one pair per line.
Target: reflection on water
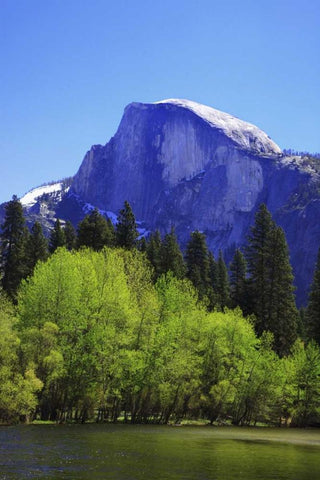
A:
x,y
125,452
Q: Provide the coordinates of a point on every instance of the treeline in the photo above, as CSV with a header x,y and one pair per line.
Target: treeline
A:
x,y
108,326
291,151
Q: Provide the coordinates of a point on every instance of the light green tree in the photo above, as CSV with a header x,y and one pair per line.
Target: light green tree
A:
x,y
18,385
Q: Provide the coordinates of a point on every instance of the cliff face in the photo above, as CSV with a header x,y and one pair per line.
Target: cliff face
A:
x,y
165,155
183,164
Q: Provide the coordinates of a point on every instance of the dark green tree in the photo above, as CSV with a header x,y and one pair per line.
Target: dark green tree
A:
x,y
57,237
154,252
142,244
222,288
14,237
70,235
171,256
282,317
95,232
213,279
257,256
126,228
197,262
37,247
213,270
238,272
271,282
312,315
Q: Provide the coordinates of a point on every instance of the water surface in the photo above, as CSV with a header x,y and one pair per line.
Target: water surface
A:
x,y
125,452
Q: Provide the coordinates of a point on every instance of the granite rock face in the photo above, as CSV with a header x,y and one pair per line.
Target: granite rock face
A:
x,y
184,164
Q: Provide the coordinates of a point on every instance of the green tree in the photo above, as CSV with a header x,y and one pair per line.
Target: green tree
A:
x,y
257,256
36,248
197,262
126,228
238,372
13,244
142,244
213,279
70,235
222,287
238,273
282,313
18,384
303,398
175,362
312,314
95,232
154,252
270,282
171,256
57,237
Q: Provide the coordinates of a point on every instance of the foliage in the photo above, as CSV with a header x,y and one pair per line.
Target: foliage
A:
x,y
271,296
36,247
154,252
197,262
95,231
238,281
222,286
126,228
13,243
70,235
106,332
57,237
302,384
18,385
313,309
171,258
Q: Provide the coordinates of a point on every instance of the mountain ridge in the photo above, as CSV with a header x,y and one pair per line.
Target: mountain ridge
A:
x,y
183,164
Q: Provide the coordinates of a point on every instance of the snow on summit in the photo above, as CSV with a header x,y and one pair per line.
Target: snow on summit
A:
x,y
31,197
244,134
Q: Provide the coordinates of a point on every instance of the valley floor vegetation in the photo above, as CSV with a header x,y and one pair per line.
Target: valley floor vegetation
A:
x,y
109,327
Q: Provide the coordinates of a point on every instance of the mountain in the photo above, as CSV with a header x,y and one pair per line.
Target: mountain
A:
x,y
184,164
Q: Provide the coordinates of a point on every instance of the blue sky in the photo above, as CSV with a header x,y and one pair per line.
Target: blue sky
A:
x,y
69,67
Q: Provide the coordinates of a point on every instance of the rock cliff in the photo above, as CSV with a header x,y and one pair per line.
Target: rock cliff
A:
x,y
184,164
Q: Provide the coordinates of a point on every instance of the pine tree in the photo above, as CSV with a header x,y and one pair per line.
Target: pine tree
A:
x,y
70,235
126,228
57,237
222,287
238,272
257,256
213,280
197,262
95,232
142,244
13,244
270,282
313,309
37,247
282,318
171,256
154,252
213,271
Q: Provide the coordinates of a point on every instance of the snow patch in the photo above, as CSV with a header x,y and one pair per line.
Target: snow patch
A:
x,y
31,197
244,134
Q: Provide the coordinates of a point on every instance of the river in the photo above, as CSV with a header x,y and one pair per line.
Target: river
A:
x,y
131,452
